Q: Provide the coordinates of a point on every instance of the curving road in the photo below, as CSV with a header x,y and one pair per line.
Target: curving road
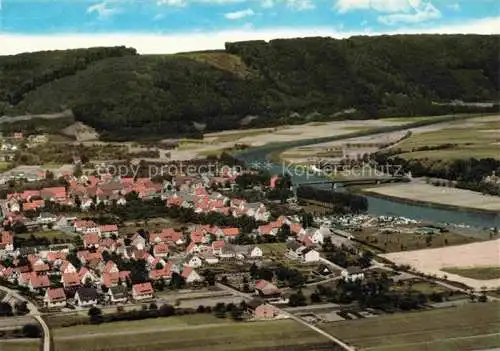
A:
x,y
34,313
291,316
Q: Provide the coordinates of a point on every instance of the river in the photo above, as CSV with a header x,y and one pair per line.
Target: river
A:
x,y
259,157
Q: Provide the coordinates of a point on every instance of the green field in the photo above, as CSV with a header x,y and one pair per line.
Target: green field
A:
x,y
479,140
219,336
4,166
421,287
50,234
273,248
472,326
480,273
20,345
405,241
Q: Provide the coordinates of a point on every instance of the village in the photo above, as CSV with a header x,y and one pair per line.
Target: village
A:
x,y
87,245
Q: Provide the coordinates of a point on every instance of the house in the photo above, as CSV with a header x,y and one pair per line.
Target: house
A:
x,y
91,240
7,242
256,252
310,255
142,291
54,193
352,274
86,297
266,289
46,218
70,280
118,294
82,226
37,281
194,261
137,241
108,230
190,275
217,247
261,310
67,267
55,298
160,250
293,249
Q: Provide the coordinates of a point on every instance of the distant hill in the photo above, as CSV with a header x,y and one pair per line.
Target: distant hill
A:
x,y
124,95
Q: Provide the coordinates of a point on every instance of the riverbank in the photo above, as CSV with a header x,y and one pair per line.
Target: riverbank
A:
x,y
436,197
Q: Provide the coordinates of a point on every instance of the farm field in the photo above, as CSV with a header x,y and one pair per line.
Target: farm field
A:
x,y
473,138
473,326
480,273
224,335
20,345
432,261
396,242
421,192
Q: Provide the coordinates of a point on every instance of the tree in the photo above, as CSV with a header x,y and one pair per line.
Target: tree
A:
x,y
177,281
95,315
297,299
236,314
283,233
22,308
5,309
31,331
153,306
167,310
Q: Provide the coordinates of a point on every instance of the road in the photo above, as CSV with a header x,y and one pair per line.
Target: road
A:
x,y
295,318
34,313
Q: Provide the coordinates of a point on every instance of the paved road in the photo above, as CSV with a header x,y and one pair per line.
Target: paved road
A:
x,y
34,313
295,318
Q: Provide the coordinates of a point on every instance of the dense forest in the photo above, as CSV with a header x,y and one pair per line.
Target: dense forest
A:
x,y
123,94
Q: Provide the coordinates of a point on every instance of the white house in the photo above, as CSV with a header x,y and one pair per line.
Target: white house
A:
x,y
190,275
46,218
256,252
194,262
55,298
310,255
86,297
117,294
352,273
142,291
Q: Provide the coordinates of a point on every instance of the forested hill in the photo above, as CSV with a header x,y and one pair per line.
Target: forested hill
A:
x,y
125,95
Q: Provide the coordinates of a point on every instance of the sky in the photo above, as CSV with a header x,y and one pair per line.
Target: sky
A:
x,y
167,26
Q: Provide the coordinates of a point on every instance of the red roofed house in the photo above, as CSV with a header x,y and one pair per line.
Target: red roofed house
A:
x,y
7,242
54,193
231,233
266,289
267,229
70,280
142,291
190,275
160,250
38,281
261,310
217,247
108,230
91,240
55,298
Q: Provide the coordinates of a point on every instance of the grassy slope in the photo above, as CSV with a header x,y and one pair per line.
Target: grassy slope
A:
x,y
467,327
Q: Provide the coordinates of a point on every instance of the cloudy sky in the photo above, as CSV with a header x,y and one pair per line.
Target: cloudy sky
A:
x,y
165,26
